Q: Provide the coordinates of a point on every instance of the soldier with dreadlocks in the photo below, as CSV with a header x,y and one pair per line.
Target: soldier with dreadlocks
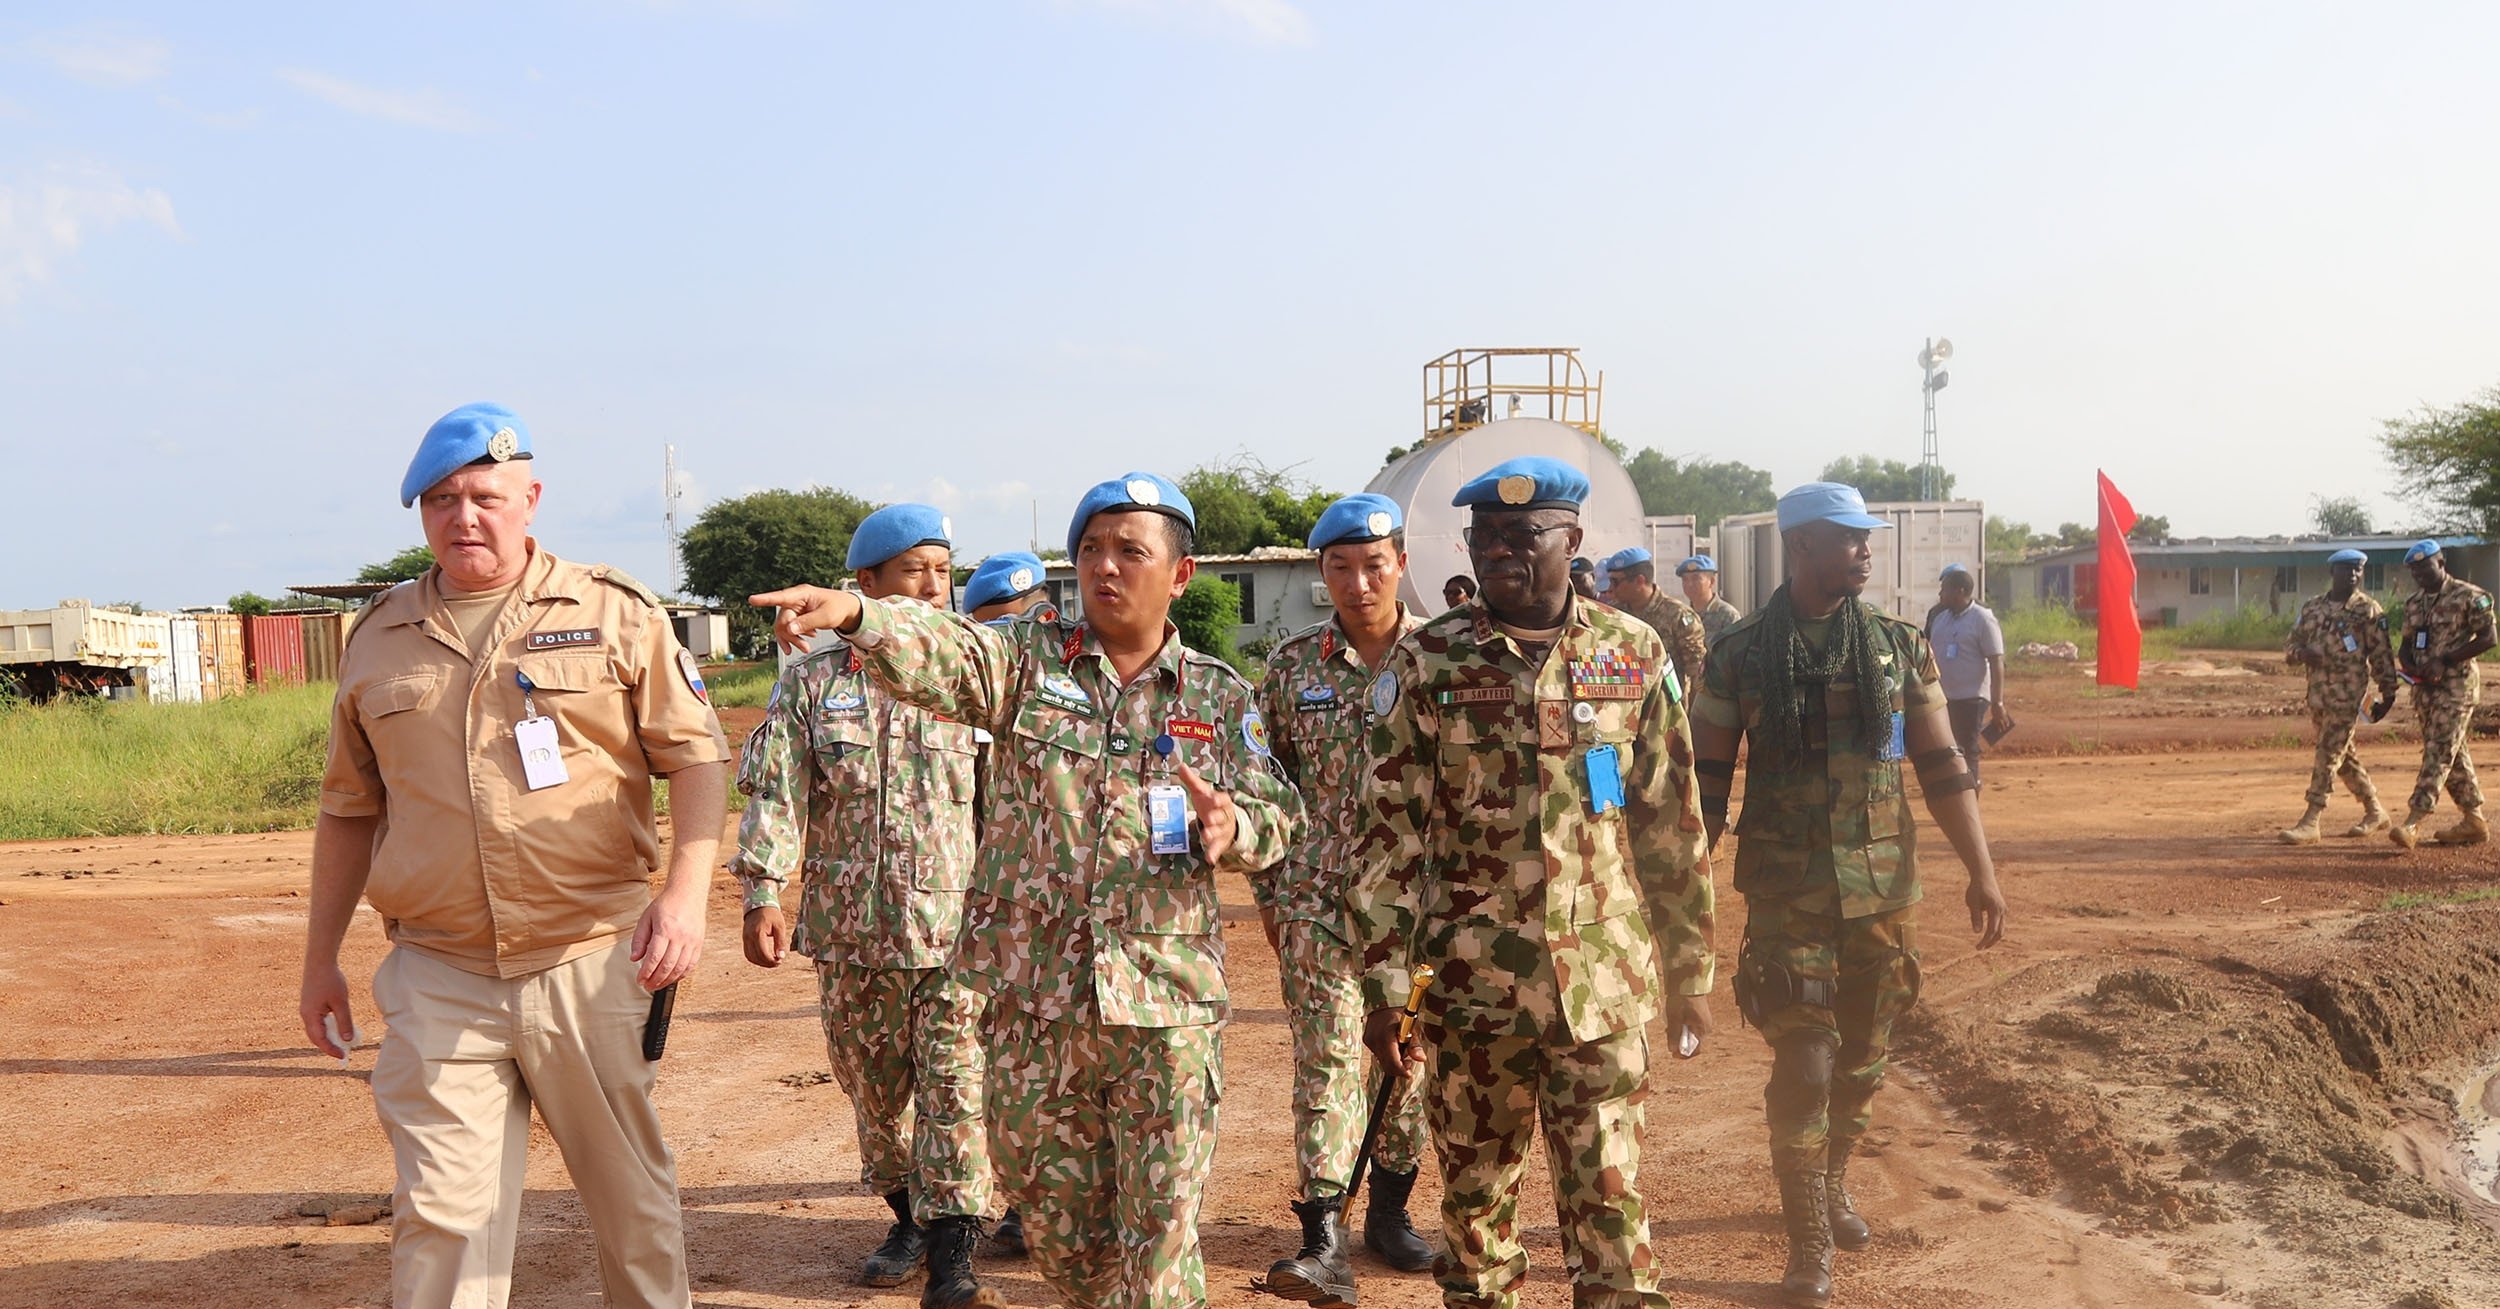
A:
x,y
1832,696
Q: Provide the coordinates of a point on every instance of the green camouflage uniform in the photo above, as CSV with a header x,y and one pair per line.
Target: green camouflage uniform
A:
x,y
1103,962
1715,617
1677,625
872,798
1826,858
1315,699
2436,621
1553,929
2343,646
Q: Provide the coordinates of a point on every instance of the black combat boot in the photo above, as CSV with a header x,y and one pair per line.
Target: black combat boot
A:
x,y
1804,1203
1320,1274
905,1245
1386,1230
1849,1232
1009,1234
951,1284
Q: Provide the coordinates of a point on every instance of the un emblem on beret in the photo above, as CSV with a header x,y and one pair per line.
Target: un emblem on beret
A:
x,y
1021,579
1378,522
1516,489
946,527
1141,491
502,445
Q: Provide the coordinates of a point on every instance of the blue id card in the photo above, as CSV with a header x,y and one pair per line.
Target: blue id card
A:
x,y
1605,765
1895,745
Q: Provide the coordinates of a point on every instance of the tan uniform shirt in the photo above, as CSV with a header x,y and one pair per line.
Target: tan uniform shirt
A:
x,y
471,866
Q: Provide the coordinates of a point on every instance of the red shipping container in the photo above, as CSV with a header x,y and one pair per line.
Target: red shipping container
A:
x,y
273,649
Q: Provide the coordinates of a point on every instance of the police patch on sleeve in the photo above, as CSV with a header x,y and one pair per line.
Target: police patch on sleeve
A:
x,y
1254,732
693,675
1385,692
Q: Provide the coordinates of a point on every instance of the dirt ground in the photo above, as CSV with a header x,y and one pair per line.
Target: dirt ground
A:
x,y
2204,1069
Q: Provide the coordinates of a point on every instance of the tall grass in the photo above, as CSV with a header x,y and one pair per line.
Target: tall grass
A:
x,y
2251,628
97,768
741,686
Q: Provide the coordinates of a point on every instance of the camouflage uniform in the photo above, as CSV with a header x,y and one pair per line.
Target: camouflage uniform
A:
x,y
2452,616
1315,696
1677,625
1826,858
2343,646
1553,929
1103,963
872,799
1715,617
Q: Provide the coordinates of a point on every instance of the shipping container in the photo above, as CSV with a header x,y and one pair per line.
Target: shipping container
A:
x,y
1670,543
325,635
221,655
1924,537
273,649
184,687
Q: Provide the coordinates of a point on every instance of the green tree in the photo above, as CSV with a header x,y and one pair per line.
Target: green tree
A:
x,y
2448,462
1243,504
2149,529
2340,515
2074,534
1708,489
1884,479
764,541
250,604
406,566
1206,615
2006,540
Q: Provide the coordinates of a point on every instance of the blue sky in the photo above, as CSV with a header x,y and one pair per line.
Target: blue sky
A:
x,y
990,253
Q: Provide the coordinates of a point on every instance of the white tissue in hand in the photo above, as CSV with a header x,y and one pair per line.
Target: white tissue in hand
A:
x,y
330,1028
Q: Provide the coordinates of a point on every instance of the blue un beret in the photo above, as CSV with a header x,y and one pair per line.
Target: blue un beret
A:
x,y
1528,482
1697,564
1356,519
1130,491
1826,502
896,528
1002,577
2422,549
1626,558
2348,557
1951,569
470,434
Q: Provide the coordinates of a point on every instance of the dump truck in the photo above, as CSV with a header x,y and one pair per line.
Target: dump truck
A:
x,y
75,648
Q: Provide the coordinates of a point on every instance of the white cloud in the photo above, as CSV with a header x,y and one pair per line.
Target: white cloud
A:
x,y
427,108
45,222
106,54
1260,22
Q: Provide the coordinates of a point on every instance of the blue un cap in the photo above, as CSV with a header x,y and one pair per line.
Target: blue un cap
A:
x,y
896,528
1356,519
1626,558
1130,491
2422,549
1952,570
1826,502
470,434
1528,482
1002,577
2348,557
1697,564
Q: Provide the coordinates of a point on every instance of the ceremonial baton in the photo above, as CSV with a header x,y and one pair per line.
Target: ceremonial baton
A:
x,y
1390,1076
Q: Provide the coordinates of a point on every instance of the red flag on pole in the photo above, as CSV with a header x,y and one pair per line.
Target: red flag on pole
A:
x,y
2122,635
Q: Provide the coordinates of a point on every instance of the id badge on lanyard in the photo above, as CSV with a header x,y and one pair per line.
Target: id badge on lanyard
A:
x,y
542,758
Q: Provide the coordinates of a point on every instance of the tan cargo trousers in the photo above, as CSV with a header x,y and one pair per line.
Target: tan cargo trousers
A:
x,y
465,1059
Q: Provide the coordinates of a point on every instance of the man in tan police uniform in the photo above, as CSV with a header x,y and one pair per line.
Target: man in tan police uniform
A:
x,y
498,724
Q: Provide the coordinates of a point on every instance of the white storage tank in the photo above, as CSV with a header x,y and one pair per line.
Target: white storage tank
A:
x,y
1424,480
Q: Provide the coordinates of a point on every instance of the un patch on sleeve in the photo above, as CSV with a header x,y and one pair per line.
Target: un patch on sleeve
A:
x,y
1385,692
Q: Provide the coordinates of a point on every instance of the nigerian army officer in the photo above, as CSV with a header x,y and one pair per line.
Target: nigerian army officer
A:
x,y
1536,837
869,800
2341,640
1131,771
1830,697
1316,701
2448,626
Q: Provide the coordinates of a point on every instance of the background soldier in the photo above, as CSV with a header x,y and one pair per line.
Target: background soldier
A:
x,y
1316,699
1458,590
1131,771
1699,575
874,797
1833,696
1969,648
2341,639
1584,578
2448,625
1636,592
497,726
1536,836
1006,586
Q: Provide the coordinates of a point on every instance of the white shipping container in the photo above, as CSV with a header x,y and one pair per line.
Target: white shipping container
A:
x,y
1923,538
184,684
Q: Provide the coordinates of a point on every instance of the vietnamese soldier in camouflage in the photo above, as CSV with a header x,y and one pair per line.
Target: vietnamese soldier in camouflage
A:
x,y
872,797
1316,700
1131,771
2341,639
1829,697
1636,592
1536,837
2448,625
1699,576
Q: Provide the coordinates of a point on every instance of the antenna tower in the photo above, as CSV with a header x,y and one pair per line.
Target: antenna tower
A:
x,y
670,493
